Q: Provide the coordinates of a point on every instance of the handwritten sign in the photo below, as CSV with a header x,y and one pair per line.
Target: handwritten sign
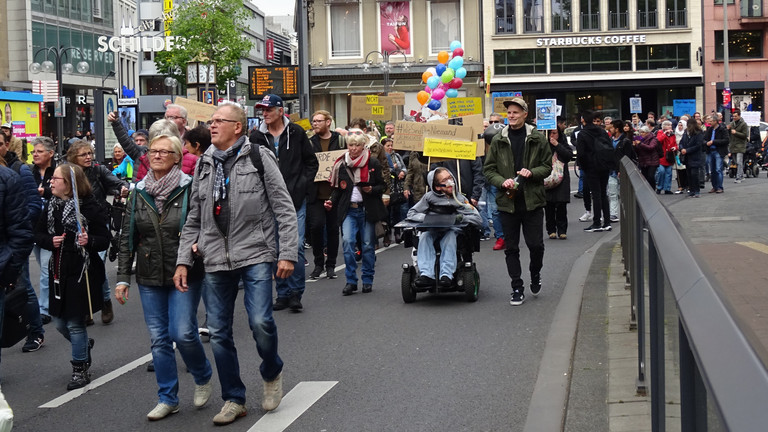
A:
x,y
410,135
752,118
371,107
475,121
683,106
199,111
398,98
459,107
326,160
450,149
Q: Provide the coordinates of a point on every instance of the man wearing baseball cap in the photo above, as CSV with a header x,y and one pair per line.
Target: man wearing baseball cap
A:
x,y
298,165
518,161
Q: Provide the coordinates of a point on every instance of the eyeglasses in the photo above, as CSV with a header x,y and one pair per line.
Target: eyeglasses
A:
x,y
219,121
442,185
172,117
162,153
85,155
41,151
57,178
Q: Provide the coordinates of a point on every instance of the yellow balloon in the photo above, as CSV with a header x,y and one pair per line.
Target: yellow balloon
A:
x,y
442,57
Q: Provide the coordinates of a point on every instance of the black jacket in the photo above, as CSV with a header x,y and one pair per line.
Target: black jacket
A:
x,y
585,146
693,146
16,237
337,143
720,143
625,148
374,206
471,179
295,157
103,182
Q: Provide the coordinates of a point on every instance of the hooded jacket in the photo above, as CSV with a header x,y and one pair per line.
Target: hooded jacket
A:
x,y
436,202
16,236
500,166
295,157
472,179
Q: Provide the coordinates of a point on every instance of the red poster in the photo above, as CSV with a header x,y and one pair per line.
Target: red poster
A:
x,y
270,49
395,26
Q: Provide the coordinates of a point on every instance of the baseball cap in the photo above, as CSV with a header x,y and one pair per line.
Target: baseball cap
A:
x,y
6,125
270,100
517,101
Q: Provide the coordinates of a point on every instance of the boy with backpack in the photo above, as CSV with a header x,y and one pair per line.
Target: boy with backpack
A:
x,y
596,155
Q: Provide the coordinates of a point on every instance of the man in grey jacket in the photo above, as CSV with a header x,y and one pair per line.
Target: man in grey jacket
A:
x,y
231,224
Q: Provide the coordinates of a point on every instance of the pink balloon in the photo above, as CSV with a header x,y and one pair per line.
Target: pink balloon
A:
x,y
458,52
438,94
427,89
456,83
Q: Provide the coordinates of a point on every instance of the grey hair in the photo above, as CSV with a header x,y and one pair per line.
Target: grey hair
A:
x,y
666,123
163,127
644,129
118,146
182,110
46,142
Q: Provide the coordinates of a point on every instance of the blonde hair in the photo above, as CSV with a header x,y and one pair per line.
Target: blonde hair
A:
x,y
175,145
163,127
357,136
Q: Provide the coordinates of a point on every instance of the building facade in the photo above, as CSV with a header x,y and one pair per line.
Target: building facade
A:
x,y
367,47
595,54
747,61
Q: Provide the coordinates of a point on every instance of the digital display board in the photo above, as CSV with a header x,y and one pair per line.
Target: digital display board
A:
x,y
279,80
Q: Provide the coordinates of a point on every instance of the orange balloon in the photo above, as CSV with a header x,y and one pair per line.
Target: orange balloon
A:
x,y
425,76
422,97
442,57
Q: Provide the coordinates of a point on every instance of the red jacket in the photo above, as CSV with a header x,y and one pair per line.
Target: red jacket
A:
x,y
668,142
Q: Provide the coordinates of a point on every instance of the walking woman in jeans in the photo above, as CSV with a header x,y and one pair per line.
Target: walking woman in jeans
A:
x,y
157,212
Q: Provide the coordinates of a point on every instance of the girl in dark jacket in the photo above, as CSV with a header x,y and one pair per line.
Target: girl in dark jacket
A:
x,y
558,197
76,273
692,144
357,190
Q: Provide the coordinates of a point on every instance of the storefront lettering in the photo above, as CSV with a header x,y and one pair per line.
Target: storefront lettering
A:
x,y
138,43
592,40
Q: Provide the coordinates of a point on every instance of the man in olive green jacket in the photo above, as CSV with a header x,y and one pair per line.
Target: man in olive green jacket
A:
x,y
739,134
518,161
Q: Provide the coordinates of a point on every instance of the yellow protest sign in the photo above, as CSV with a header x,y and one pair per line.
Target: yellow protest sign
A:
x,y
304,123
459,107
371,107
326,160
450,149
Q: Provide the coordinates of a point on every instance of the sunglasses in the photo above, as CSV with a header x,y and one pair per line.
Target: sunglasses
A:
x,y
494,121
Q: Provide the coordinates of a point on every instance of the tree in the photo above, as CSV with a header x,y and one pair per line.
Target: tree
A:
x,y
214,35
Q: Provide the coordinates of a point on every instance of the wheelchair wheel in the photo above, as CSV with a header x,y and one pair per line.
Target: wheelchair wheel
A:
x,y
406,285
756,171
471,284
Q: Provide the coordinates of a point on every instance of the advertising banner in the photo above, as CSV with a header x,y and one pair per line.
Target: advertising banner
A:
x,y
395,22
24,117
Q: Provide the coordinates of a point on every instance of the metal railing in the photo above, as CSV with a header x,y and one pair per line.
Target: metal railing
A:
x,y
533,24
505,25
618,20
590,21
647,19
716,360
561,23
677,18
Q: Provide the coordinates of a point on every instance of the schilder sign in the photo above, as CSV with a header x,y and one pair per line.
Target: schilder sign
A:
x,y
139,43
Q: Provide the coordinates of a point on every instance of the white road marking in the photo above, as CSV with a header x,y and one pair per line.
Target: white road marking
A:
x,y
294,404
61,400
343,266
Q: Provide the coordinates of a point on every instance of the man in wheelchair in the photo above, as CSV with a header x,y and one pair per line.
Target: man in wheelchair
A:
x,y
457,211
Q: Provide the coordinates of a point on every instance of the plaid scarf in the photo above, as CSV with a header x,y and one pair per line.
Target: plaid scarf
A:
x,y
67,208
221,180
162,188
356,168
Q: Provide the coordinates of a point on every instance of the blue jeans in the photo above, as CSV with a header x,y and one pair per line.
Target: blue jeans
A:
x,y
43,256
483,208
105,290
664,177
427,257
73,329
354,222
219,296
171,316
295,283
715,164
493,210
32,311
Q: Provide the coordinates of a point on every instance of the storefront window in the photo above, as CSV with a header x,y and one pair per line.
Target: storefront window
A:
x,y
505,16
742,44
561,15
522,61
674,56
597,59
154,85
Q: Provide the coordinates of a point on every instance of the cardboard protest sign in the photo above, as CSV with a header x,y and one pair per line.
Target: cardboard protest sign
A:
x,y
326,160
410,135
751,117
459,107
398,98
304,123
199,111
450,149
371,107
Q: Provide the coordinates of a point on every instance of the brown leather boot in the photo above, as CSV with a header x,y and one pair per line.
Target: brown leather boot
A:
x,y
107,315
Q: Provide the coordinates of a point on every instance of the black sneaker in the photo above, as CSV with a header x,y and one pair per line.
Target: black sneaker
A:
x,y
607,227
445,282
349,289
33,344
91,343
151,366
46,319
517,298
316,272
281,303
593,228
367,288
330,273
294,302
424,281
535,285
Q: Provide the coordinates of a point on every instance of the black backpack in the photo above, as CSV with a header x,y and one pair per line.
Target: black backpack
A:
x,y
603,154
15,323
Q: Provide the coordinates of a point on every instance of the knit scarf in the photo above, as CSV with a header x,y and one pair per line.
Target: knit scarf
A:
x,y
356,168
68,215
162,188
219,159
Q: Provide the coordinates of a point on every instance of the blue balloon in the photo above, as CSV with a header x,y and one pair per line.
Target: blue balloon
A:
x,y
455,44
434,105
440,68
451,93
460,73
456,63
433,82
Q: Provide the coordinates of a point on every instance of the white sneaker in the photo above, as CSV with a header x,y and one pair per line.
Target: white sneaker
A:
x,y
162,411
614,218
203,393
273,393
586,217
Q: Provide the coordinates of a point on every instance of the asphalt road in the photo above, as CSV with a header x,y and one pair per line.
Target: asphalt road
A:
x,y
367,362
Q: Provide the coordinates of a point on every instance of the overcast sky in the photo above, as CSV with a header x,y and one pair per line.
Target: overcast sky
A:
x,y
275,7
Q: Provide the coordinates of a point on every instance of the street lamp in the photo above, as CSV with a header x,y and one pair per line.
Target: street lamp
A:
x,y
385,65
49,66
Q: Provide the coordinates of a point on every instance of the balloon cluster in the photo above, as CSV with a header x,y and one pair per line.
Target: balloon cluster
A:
x,y
444,80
